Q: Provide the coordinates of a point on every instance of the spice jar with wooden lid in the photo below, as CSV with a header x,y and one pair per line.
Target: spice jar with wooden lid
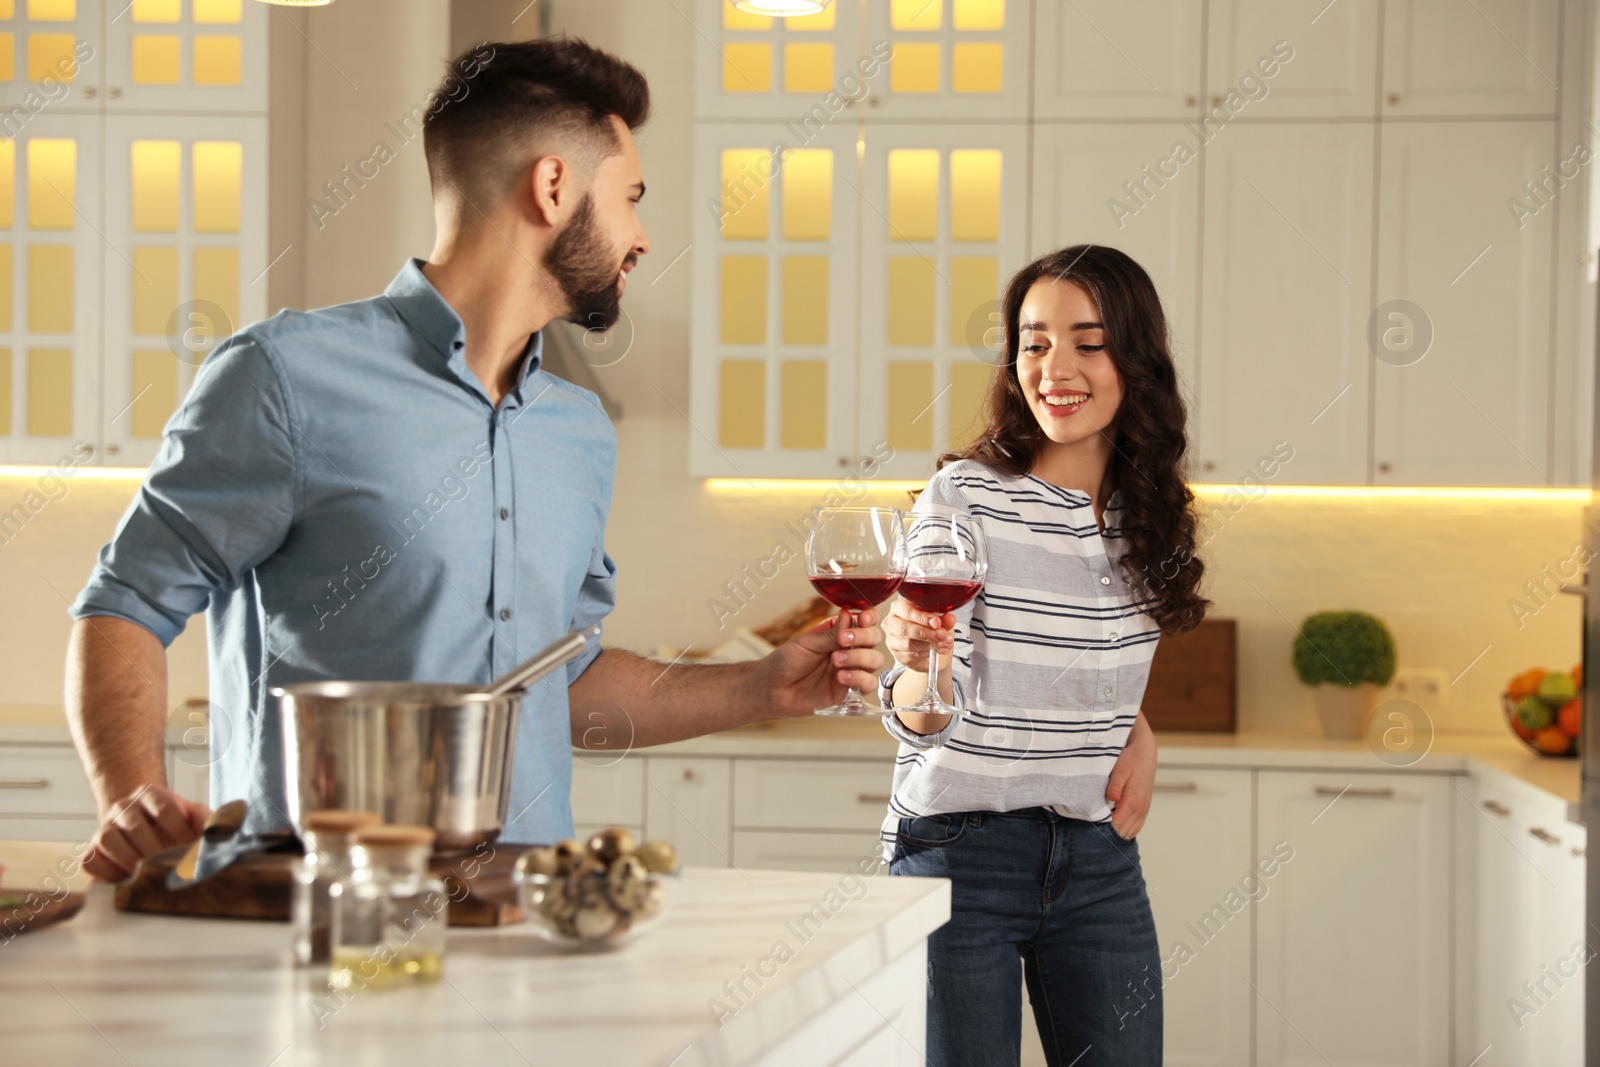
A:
x,y
329,837
389,919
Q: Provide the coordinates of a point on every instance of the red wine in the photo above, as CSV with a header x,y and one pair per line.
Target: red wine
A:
x,y
856,592
938,595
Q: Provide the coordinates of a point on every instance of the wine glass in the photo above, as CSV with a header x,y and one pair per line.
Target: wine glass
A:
x,y
948,563
855,558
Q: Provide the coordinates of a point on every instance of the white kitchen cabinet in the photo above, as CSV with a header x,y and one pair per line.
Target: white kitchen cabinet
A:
x,y
1285,291
1333,72
1353,954
1200,872
1135,188
687,803
827,851
754,66
1475,409
951,60
44,795
1483,58
184,55
1102,59
780,794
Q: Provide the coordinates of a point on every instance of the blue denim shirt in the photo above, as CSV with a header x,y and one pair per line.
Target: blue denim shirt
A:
x,y
340,495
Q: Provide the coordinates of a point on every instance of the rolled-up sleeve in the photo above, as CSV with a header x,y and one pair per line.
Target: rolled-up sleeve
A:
x,y
595,600
219,498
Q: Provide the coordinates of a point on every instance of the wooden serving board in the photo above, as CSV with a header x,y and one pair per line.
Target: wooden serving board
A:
x,y
258,884
37,910
1193,680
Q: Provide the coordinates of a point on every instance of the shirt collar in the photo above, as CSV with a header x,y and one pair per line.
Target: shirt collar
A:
x,y
428,314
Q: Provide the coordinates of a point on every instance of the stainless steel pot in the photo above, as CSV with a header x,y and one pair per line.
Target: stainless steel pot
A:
x,y
414,752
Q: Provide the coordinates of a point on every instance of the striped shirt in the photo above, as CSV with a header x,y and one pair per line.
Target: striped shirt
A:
x,y
1051,659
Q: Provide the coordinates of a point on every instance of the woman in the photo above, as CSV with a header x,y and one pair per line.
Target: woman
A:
x,y
1078,485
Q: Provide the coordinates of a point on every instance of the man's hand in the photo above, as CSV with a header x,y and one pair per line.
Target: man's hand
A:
x,y
815,668
149,820
1133,780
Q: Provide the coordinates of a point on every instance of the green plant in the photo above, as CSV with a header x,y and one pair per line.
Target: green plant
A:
x,y
1344,648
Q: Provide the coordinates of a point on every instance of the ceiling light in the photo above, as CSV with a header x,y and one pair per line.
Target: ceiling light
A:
x,y
782,9
299,3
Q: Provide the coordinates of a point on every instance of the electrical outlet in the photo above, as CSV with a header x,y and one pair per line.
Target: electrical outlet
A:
x,y
1424,686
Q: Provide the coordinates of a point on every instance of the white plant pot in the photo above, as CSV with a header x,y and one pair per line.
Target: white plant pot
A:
x,y
1345,710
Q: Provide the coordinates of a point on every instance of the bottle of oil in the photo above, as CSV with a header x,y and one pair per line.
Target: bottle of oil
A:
x,y
389,919
329,836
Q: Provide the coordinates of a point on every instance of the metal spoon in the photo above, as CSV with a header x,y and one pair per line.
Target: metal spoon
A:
x,y
544,662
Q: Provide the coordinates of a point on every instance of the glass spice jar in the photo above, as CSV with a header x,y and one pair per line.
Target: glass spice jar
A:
x,y
329,836
389,919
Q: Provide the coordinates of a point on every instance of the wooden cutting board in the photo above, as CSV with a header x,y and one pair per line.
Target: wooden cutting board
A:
x,y
1193,680
37,909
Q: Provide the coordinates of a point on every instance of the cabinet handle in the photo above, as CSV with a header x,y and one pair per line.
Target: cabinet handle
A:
x,y
1494,807
688,774
1578,852
1330,791
872,798
112,450
114,93
1176,787
88,92
24,783
1543,835
1216,100
1191,100
1385,468
1394,98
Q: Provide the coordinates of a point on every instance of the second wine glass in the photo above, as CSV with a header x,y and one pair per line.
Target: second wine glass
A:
x,y
947,564
856,559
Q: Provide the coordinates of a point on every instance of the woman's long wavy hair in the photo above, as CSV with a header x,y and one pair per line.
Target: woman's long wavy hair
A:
x,y
1158,520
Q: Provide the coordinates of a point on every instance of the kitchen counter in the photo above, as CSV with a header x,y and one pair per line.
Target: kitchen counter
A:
x,y
108,987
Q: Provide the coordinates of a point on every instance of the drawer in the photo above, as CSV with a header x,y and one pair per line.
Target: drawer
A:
x,y
810,794
44,780
607,791
47,828
829,852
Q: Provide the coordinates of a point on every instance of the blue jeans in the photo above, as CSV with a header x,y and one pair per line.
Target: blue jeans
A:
x,y
1066,896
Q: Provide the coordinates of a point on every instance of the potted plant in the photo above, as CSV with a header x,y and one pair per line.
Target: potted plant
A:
x,y
1346,657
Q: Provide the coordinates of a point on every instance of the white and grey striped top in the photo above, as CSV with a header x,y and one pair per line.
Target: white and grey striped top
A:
x,y
1051,659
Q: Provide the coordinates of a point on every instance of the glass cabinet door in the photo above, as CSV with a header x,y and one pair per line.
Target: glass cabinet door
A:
x,y
756,66
186,55
951,60
51,59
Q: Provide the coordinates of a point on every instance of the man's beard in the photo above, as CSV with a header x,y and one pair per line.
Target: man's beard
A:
x,y
582,265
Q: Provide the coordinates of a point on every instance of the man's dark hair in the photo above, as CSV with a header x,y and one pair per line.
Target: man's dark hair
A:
x,y
500,102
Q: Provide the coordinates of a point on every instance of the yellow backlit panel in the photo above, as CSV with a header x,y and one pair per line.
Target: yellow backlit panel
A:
x,y
734,19
916,14
154,172
8,9
913,194
218,12
910,407
155,289
808,194
805,300
822,20
52,182
974,286
216,281
218,60
8,182
914,68
969,381
50,288
744,300
911,301
978,14
49,392
746,179
975,194
5,392
742,414
977,67
7,287
803,419
50,56
155,391
807,67
8,56
746,67
157,10
156,59
218,166
52,10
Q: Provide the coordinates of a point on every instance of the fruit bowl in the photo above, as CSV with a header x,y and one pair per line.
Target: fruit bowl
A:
x,y
1548,726
595,896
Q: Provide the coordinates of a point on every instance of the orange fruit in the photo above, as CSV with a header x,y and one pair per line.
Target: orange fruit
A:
x,y
1526,683
1520,730
1570,715
1552,741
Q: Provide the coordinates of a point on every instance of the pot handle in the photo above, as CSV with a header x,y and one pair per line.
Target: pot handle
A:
x,y
544,662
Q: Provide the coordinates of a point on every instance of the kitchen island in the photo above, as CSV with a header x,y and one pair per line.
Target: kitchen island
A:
x,y
750,967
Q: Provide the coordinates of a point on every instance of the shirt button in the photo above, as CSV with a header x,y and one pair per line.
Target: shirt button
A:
x,y
505,615
1113,635
1105,580
1108,690
505,513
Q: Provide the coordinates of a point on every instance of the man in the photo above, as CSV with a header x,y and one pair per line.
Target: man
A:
x,y
394,489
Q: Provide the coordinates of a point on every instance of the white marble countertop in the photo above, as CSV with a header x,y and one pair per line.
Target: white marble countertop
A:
x,y
110,987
